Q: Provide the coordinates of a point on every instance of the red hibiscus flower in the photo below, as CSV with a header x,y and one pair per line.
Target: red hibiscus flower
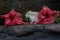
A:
x,y
12,18
47,16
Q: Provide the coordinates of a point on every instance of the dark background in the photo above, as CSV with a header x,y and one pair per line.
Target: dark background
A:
x,y
23,5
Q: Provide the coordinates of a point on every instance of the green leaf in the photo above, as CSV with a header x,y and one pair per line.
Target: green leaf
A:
x,y
57,20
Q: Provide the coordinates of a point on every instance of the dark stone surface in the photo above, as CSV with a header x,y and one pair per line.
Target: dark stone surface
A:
x,y
9,34
2,28
23,29
34,36
53,27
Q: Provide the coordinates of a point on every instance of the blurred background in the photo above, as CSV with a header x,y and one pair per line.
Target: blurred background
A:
x,y
25,5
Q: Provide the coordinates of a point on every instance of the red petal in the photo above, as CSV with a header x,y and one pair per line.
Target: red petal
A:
x,y
54,14
47,10
13,18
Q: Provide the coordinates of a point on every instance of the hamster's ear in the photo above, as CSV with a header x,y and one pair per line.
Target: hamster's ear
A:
x,y
29,11
26,15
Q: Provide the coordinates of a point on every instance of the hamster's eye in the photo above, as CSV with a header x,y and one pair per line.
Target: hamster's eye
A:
x,y
28,14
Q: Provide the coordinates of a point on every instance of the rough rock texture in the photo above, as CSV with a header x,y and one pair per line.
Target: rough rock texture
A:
x,y
23,29
9,33
34,36
20,30
2,28
53,27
